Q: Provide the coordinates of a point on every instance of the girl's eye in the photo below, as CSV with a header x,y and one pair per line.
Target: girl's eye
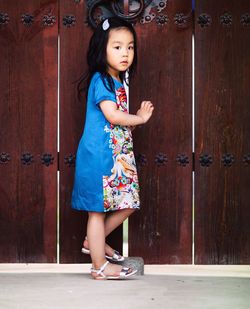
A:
x,y
131,47
117,47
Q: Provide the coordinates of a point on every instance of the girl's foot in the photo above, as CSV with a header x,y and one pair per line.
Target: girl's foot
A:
x,y
111,271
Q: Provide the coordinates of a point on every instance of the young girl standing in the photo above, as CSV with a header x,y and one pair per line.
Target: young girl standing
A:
x,y
106,183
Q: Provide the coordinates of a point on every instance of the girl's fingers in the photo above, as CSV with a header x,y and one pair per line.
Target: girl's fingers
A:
x,y
146,104
149,106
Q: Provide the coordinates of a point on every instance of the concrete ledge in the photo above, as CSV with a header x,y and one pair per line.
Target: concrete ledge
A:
x,y
242,271
166,269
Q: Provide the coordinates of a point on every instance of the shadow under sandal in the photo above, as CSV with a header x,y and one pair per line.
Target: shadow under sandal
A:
x,y
124,273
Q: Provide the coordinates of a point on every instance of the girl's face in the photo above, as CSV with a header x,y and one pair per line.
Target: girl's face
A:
x,y
120,50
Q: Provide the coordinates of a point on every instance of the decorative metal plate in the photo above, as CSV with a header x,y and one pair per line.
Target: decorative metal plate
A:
x,y
27,19
4,18
4,157
69,20
141,159
130,10
47,159
49,20
182,159
206,160
226,19
246,159
27,158
227,159
245,19
204,20
183,21
161,159
70,160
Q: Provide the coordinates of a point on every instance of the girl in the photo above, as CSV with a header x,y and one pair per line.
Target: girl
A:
x,y
105,174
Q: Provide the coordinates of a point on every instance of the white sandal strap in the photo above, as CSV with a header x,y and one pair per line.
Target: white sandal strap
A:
x,y
116,255
100,270
103,267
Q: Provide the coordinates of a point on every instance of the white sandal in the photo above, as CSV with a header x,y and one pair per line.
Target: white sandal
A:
x,y
124,273
116,257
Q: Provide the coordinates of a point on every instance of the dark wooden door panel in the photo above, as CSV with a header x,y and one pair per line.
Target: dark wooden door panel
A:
x,y
161,232
222,74
28,117
74,40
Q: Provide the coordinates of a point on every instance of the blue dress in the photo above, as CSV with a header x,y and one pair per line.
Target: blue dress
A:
x,y
105,172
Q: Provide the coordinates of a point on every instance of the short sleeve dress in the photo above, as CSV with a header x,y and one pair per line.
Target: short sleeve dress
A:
x,y
105,172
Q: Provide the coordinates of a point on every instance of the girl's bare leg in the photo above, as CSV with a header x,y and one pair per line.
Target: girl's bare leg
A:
x,y
111,222
96,241
96,238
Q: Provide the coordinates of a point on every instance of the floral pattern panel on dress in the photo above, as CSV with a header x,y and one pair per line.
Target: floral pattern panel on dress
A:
x,y
121,99
121,188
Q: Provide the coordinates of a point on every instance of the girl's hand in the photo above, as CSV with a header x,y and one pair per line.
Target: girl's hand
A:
x,y
145,111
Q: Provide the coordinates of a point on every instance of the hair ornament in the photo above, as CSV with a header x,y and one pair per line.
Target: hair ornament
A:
x,y
105,24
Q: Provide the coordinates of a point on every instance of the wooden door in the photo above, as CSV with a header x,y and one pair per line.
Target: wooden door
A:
x,y
162,231
28,143
222,126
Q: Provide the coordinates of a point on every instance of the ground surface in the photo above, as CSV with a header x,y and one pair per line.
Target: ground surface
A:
x,y
171,287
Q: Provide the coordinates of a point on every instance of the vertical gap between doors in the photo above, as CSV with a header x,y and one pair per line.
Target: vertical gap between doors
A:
x,y
193,142
58,151
126,222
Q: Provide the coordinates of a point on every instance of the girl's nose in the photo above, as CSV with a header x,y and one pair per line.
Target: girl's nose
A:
x,y
125,52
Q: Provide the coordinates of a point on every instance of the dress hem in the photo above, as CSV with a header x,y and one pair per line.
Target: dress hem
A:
x,y
111,210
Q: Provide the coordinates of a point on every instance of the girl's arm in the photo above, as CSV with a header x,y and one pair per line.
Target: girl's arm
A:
x,y
117,117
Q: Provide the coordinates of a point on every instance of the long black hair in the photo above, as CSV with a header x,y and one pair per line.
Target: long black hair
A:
x,y
97,58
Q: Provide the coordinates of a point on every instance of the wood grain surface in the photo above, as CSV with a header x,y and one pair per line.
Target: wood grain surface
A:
x,y
161,232
28,111
222,126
